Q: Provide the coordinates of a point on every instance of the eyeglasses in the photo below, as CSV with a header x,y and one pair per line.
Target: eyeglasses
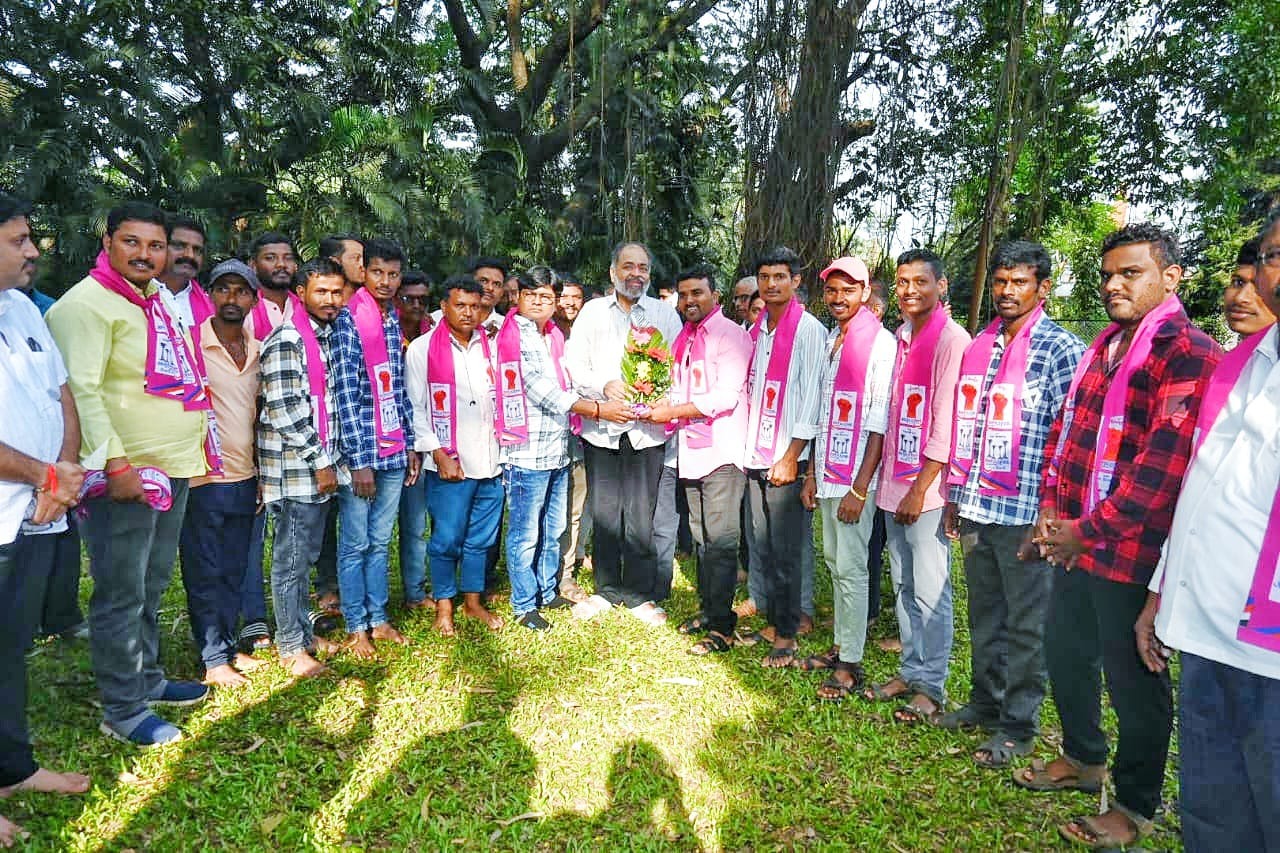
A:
x,y
539,298
1270,259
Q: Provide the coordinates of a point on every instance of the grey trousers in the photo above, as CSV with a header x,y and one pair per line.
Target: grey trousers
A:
x,y
132,550
920,562
577,532
844,549
1008,607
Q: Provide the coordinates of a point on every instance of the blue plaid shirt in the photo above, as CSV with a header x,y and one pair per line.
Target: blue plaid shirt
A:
x,y
1052,357
358,434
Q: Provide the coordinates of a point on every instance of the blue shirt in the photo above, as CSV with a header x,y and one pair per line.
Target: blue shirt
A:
x,y
353,397
1052,356
43,301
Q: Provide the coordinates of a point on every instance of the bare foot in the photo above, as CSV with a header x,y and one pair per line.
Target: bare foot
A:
x,y
326,647
444,618
224,676
246,663
472,607
10,832
46,781
303,665
746,609
360,646
386,632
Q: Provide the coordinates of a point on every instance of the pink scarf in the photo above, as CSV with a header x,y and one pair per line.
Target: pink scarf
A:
x,y
212,443
1260,622
912,388
171,371
512,408
1002,435
442,386
201,305
775,379
262,324
844,421
1106,450
377,364
317,378
690,355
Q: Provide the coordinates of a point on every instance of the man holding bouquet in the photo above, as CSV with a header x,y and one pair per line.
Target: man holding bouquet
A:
x,y
624,460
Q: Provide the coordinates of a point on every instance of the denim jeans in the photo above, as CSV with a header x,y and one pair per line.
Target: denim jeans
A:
x,y
364,537
465,516
214,544
714,518
413,540
1008,606
132,549
17,609
1229,746
844,551
253,589
299,530
920,562
535,519
756,587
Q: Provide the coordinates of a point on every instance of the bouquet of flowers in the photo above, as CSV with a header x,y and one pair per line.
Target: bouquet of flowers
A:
x,y
646,366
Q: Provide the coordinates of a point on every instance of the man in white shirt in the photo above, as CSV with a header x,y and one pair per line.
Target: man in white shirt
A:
x,y
1203,598
453,426
39,481
624,461
181,291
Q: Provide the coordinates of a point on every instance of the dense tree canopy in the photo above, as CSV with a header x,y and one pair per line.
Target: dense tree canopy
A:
x,y
709,128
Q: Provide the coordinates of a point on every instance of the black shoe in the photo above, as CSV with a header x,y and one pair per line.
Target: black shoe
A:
x,y
558,603
534,622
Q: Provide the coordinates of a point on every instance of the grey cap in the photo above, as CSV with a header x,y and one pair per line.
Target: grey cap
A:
x,y
235,267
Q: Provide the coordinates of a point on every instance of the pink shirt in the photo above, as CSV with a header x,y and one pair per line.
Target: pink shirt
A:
x,y
728,360
937,446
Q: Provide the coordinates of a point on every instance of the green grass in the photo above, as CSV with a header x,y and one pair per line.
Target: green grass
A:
x,y
597,736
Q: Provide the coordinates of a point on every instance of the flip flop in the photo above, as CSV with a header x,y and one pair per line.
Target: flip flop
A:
x,y
774,659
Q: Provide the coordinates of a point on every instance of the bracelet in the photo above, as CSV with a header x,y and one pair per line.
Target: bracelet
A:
x,y
597,402
119,471
859,495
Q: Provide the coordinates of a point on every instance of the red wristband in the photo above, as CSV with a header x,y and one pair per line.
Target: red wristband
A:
x,y
119,471
51,479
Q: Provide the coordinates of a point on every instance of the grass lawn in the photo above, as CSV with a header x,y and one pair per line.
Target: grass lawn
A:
x,y
597,736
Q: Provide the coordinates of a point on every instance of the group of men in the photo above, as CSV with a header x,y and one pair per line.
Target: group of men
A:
x,y
178,415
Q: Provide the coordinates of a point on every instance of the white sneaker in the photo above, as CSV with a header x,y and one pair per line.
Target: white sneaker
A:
x,y
591,608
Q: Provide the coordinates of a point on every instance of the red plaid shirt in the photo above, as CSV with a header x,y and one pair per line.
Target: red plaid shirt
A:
x,y
1124,532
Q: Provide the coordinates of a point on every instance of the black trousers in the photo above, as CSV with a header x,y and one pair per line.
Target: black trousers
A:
x,y
55,592
1090,632
327,563
715,504
779,527
622,487
19,561
875,563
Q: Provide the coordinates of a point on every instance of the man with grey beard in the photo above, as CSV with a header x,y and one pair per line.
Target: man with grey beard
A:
x,y
624,461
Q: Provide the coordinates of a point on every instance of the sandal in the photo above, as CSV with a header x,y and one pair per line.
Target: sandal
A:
x,y
779,658
914,713
712,643
1000,750
750,638
826,660
694,625
1083,777
881,692
966,718
835,690
1092,834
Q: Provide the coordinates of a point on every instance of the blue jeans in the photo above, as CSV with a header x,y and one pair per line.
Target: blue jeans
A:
x,y
364,536
536,503
215,538
920,562
465,517
253,590
299,530
413,540
1229,741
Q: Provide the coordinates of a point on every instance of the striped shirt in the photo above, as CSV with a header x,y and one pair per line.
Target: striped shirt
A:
x,y
799,415
547,403
1052,356
353,397
875,406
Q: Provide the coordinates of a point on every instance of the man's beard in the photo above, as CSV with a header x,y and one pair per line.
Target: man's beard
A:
x,y
632,288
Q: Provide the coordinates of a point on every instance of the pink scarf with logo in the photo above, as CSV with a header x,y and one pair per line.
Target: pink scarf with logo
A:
x,y
442,386
912,389
844,420
317,378
171,371
776,372
377,364
201,304
1260,622
1002,433
512,408
1107,445
689,351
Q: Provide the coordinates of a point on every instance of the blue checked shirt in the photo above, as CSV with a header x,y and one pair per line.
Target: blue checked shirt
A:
x,y
547,403
358,442
1051,362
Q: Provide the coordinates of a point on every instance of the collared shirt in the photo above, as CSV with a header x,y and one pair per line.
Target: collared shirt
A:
x,y
289,449
723,397
1124,532
875,406
179,304
594,358
477,442
234,391
31,380
43,301
103,339
275,313
1209,560
547,404
353,395
1052,356
942,409
491,325
799,415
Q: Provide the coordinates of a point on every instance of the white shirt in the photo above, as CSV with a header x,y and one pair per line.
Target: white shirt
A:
x,y
31,378
492,323
477,444
876,389
593,355
1210,557
799,415
179,304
